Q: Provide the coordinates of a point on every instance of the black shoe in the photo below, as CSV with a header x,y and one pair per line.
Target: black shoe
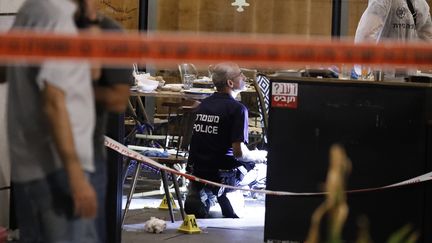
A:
x,y
195,207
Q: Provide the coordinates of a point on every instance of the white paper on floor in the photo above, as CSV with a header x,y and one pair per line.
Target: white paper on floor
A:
x,y
155,225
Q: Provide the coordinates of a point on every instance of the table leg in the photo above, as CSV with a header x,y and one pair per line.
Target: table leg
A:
x,y
125,171
178,194
131,192
142,108
167,194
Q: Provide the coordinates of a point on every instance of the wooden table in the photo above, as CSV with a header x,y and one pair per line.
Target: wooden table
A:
x,y
148,114
179,94
169,94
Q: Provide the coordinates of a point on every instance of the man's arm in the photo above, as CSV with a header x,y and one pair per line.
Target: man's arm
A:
x,y
242,153
425,33
369,28
113,97
54,107
372,21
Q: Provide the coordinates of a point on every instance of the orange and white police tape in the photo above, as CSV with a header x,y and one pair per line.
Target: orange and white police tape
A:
x,y
171,48
120,148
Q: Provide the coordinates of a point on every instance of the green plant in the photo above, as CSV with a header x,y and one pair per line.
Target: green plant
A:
x,y
404,235
336,207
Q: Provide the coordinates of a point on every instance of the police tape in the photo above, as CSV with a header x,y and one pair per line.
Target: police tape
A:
x,y
120,148
173,48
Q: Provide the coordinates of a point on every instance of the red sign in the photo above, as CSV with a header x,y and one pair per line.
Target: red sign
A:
x,y
284,95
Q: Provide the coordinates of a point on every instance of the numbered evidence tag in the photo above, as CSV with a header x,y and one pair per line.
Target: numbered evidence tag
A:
x,y
164,203
190,223
284,95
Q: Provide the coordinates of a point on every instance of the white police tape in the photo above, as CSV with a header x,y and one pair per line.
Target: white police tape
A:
x,y
415,180
120,148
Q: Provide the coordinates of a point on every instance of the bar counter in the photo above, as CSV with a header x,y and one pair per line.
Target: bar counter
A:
x,y
385,128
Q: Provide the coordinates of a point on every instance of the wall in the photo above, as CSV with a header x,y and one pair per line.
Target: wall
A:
x,y
299,17
125,12
307,18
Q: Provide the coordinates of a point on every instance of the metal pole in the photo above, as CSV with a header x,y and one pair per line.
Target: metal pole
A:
x,y
143,15
115,130
336,18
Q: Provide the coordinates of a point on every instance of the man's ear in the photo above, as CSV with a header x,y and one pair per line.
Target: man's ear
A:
x,y
230,83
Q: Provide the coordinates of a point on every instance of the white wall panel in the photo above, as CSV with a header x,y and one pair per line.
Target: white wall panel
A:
x,y
10,6
4,160
6,22
7,8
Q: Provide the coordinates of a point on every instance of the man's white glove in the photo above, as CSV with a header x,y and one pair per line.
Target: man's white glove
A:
x,y
246,155
259,156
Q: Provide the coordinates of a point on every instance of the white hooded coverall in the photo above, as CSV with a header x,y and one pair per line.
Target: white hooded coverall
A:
x,y
393,20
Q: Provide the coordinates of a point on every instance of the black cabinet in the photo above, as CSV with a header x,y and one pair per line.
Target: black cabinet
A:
x,y
386,131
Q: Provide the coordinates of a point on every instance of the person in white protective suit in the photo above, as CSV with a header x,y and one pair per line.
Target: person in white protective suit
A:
x,y
396,20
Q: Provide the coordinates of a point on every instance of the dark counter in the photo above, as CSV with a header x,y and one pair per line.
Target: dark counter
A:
x,y
386,130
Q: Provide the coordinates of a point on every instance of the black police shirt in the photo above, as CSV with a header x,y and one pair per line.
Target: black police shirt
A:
x,y
220,121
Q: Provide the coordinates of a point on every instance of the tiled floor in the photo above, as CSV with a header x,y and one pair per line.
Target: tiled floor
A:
x,y
249,228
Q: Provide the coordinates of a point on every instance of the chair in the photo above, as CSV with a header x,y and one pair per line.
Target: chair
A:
x,y
184,134
137,125
262,87
257,102
249,98
185,110
187,68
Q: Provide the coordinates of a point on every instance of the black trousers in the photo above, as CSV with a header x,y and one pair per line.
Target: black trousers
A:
x,y
194,204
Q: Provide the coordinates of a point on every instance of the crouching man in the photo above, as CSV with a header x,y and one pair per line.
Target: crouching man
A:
x,y
218,147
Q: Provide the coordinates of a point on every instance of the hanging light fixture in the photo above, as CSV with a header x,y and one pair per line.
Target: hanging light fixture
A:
x,y
240,4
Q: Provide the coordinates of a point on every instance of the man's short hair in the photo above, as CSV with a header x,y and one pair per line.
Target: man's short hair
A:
x,y
221,72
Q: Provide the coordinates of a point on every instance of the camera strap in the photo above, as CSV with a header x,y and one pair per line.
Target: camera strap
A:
x,y
413,12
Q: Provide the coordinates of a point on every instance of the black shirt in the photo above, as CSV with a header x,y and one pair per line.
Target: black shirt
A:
x,y
220,121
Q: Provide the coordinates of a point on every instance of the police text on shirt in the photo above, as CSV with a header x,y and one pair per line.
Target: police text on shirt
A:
x,y
210,127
